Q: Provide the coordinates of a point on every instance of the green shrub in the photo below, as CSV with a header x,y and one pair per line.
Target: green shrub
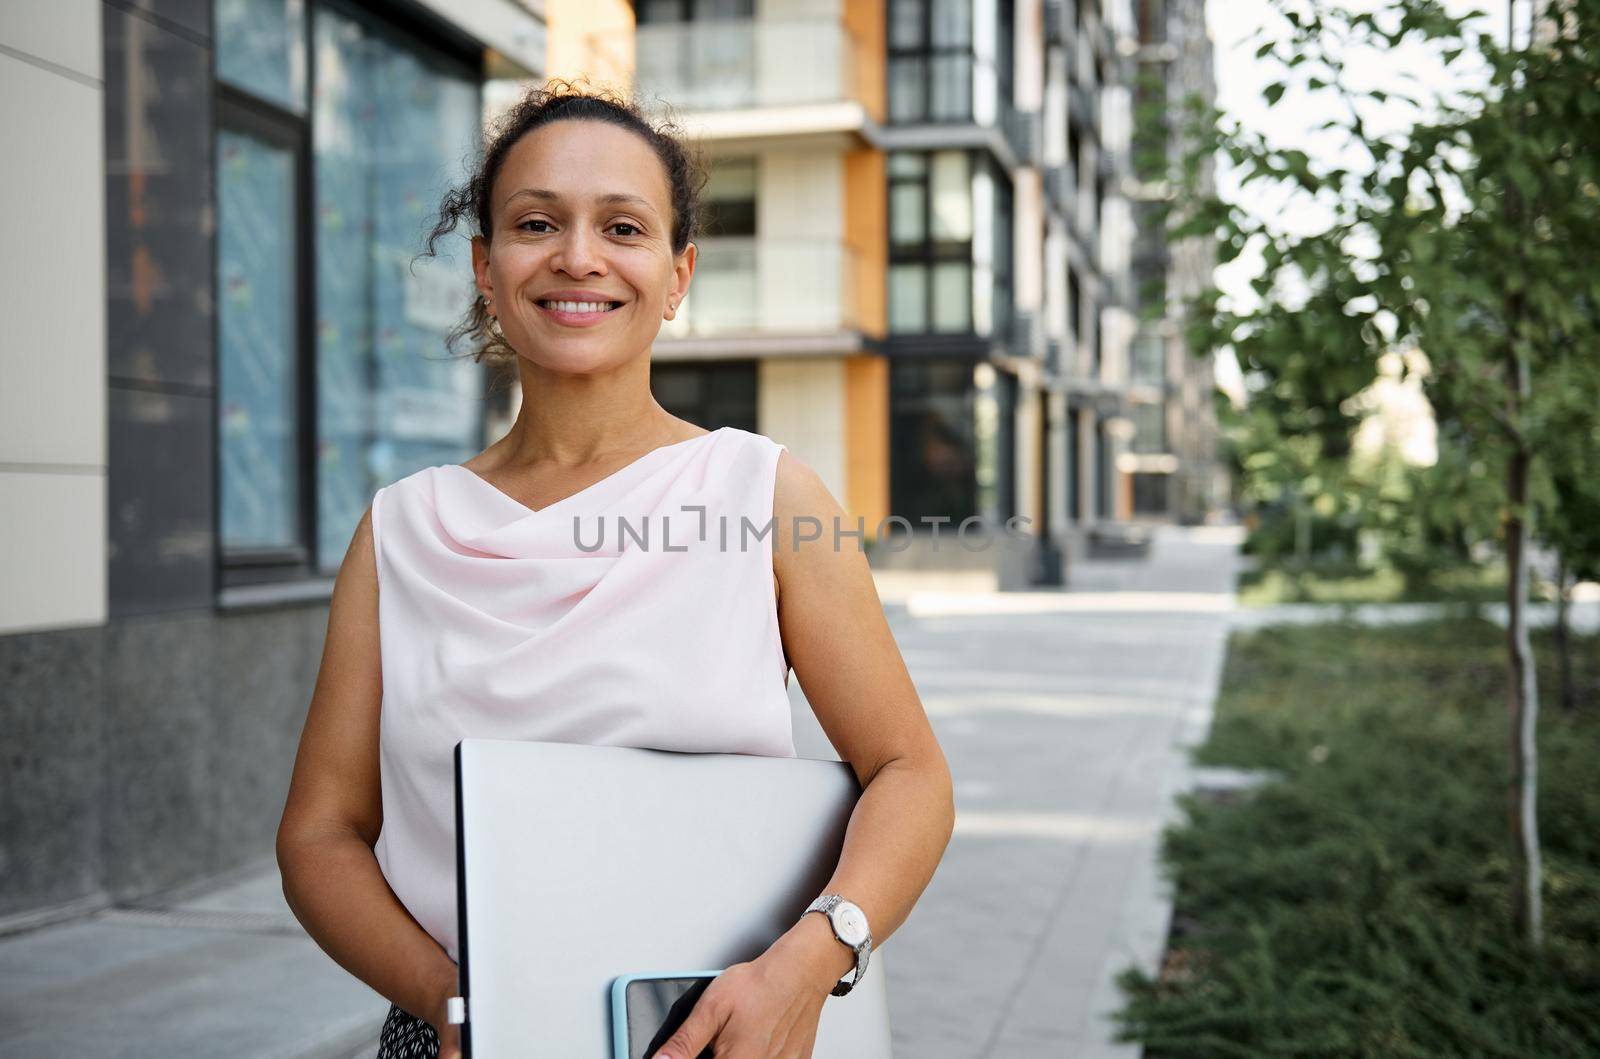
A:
x,y
1360,906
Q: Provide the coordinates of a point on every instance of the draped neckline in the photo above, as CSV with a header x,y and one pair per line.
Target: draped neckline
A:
x,y
491,487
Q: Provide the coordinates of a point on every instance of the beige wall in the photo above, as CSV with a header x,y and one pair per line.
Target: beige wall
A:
x,y
801,402
52,317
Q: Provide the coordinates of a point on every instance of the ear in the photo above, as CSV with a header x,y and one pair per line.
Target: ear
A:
x,y
480,268
682,273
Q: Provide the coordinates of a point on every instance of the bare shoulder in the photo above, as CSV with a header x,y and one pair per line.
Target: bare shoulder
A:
x,y
813,534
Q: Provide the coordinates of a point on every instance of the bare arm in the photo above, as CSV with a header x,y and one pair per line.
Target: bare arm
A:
x,y
334,812
852,673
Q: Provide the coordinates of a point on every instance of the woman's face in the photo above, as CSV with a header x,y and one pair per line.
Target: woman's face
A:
x,y
580,269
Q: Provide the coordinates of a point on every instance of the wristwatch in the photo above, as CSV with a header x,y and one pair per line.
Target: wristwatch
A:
x,y
850,927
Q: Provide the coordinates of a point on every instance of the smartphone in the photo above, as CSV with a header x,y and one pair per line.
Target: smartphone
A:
x,y
647,1009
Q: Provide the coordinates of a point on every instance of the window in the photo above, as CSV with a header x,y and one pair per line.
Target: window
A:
x,y
730,198
1102,471
996,447
261,49
1150,428
931,60
392,124
1074,316
327,175
708,395
1074,465
932,445
930,242
652,11
258,337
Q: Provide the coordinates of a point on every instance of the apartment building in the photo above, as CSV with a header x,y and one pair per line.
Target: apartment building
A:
x,y
918,276
1173,467
783,328
213,353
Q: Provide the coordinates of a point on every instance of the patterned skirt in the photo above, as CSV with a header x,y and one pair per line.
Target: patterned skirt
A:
x,y
407,1037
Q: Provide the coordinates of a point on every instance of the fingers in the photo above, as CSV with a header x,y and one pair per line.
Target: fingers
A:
x,y
697,1031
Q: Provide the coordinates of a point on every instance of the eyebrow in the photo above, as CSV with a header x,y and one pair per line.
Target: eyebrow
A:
x,y
614,198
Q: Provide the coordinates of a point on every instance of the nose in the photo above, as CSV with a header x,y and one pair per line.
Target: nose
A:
x,y
580,253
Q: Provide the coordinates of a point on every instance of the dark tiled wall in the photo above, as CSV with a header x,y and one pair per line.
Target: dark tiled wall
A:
x,y
53,738
149,753
160,210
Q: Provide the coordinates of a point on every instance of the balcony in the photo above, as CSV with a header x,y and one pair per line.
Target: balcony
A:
x,y
1023,132
1027,338
1061,188
1149,359
743,64
753,286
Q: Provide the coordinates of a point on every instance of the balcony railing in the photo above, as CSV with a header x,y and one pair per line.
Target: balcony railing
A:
x,y
737,64
1061,188
768,286
1023,131
1027,334
1149,359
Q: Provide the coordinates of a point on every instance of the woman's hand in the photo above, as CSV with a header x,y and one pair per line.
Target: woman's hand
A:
x,y
448,1032
449,1040
768,1008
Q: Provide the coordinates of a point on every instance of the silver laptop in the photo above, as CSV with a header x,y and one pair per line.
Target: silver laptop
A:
x,y
578,865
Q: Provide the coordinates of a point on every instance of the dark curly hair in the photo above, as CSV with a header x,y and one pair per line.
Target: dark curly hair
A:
x,y
560,100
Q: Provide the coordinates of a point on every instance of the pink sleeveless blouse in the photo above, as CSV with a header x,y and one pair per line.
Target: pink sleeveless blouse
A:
x,y
639,611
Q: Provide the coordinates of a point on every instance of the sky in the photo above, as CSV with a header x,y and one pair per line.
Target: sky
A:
x,y
1241,77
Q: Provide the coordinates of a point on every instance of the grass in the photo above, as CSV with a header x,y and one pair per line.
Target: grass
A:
x,y
1351,585
1360,905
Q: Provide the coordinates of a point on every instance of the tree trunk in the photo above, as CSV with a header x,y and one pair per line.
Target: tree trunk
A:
x,y
1527,908
1527,911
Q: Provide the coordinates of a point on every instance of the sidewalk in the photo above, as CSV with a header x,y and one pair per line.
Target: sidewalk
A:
x,y
1062,715
229,973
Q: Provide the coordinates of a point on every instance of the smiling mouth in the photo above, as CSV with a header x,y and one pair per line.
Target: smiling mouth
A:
x,y
581,308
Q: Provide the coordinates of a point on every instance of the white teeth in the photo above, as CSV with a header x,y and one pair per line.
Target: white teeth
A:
x,y
578,307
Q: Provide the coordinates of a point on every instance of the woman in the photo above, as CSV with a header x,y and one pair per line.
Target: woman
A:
x,y
493,625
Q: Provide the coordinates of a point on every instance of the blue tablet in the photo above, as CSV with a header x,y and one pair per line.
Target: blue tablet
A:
x,y
647,1009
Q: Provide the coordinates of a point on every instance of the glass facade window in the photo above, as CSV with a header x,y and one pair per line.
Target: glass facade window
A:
x,y
324,201
653,11
730,198
261,48
391,126
951,193
258,413
1074,465
996,439
932,470
949,244
1074,313
1102,471
708,395
931,61
1150,428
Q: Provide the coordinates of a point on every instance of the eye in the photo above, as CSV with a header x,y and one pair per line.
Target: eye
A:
x,y
633,229
535,220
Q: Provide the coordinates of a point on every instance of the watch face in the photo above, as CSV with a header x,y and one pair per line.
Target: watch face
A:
x,y
850,923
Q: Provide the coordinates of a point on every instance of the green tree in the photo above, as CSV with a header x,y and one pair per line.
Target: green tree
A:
x,y
1468,236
